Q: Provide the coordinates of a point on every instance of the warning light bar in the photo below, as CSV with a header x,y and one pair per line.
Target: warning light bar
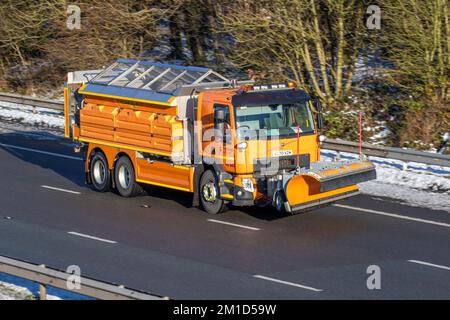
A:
x,y
282,85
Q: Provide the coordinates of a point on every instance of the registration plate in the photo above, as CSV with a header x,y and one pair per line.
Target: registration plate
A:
x,y
281,153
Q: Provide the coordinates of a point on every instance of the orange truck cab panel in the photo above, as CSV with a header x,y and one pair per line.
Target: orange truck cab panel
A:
x,y
270,148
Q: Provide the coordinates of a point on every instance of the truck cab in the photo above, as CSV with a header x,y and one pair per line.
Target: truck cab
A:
x,y
263,143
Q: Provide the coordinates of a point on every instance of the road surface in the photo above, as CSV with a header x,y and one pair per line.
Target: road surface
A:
x,y
159,244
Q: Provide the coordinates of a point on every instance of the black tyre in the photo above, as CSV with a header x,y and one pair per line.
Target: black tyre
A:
x,y
209,194
125,178
278,202
99,173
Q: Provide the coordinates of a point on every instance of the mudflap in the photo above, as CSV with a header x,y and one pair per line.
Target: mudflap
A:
x,y
326,182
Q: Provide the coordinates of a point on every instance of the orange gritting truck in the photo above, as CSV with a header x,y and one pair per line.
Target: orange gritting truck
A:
x,y
191,129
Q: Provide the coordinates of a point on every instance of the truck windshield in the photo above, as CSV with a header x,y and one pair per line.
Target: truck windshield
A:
x,y
273,120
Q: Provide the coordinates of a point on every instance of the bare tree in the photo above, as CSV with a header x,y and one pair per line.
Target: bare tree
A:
x,y
418,43
311,42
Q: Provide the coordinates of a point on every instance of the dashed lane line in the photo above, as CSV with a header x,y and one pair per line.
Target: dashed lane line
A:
x,y
90,237
287,283
430,264
393,215
234,224
59,189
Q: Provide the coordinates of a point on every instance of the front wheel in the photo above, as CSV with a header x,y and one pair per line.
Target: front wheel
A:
x,y
209,194
278,202
125,178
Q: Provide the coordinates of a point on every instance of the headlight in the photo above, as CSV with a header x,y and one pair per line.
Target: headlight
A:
x,y
247,184
322,138
241,146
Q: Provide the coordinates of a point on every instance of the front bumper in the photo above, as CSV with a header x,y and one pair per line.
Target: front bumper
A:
x,y
319,184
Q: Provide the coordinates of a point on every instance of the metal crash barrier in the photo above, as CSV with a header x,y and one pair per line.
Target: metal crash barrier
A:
x,y
46,276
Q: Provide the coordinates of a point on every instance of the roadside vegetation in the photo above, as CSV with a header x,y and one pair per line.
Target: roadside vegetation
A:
x,y
397,75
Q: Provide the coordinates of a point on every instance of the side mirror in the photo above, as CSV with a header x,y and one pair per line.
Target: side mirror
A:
x,y
319,121
219,120
318,105
319,116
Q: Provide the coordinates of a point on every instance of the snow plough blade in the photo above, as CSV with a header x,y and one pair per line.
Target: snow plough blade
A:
x,y
325,182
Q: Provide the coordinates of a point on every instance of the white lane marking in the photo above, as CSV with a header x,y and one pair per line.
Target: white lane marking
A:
x,y
41,152
59,189
437,223
90,237
429,264
287,283
234,224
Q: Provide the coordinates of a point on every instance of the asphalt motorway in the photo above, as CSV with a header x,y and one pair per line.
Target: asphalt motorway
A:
x,y
159,244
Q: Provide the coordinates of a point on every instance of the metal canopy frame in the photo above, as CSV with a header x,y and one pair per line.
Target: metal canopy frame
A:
x,y
156,77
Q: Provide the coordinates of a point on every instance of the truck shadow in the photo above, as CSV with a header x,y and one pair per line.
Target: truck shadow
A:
x,y
185,199
263,213
53,152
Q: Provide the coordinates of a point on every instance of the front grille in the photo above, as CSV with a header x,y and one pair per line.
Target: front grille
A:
x,y
281,163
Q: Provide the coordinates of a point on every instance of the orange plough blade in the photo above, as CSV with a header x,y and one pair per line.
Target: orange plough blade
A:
x,y
326,182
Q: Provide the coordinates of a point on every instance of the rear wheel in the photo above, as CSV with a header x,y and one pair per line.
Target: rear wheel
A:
x,y
209,194
125,178
99,173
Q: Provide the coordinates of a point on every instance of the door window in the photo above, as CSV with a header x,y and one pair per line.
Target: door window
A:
x,y
227,123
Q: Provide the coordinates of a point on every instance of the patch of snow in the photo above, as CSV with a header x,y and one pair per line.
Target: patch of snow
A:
x,y
420,185
415,180
413,197
411,166
369,66
446,136
35,133
10,291
29,115
15,288
379,138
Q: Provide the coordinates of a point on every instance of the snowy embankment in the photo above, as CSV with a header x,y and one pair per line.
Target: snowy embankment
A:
x,y
31,116
10,291
419,184
13,288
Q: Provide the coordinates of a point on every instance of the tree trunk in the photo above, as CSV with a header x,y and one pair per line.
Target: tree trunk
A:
x,y
175,38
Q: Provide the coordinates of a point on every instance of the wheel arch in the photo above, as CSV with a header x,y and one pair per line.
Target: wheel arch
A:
x,y
120,154
117,156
